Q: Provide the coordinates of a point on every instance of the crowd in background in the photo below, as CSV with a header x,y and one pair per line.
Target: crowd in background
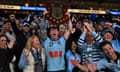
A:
x,y
85,43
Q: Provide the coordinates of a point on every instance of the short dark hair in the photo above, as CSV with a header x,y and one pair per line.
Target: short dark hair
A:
x,y
104,43
53,27
2,35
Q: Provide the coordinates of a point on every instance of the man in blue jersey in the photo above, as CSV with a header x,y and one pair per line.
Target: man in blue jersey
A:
x,y
55,48
111,34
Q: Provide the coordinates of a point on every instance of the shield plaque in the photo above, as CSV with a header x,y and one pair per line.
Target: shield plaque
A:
x,y
56,13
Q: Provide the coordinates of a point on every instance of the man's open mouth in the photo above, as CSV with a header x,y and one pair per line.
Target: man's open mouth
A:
x,y
54,34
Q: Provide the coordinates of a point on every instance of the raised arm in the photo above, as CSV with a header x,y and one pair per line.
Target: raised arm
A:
x,y
69,29
114,26
81,39
10,52
97,37
11,44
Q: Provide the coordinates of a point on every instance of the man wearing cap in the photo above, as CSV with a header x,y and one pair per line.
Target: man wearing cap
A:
x,y
21,38
110,33
26,27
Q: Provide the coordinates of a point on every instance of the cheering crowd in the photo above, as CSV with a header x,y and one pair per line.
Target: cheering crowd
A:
x,y
82,44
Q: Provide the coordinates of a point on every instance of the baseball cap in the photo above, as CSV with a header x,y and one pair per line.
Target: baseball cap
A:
x,y
26,24
106,31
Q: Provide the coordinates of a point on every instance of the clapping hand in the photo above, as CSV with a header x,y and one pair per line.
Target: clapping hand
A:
x,y
11,43
92,67
88,27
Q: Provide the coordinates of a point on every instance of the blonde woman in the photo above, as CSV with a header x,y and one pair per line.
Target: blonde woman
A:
x,y
33,56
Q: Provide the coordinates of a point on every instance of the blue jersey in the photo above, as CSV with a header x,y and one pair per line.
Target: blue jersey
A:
x,y
116,45
69,57
116,41
109,65
55,51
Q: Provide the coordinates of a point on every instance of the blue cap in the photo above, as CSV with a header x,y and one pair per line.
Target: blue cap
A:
x,y
106,31
26,24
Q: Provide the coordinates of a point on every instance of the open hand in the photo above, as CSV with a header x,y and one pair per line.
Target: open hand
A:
x,y
92,67
11,43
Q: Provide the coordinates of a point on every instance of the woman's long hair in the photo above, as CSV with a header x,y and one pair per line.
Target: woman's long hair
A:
x,y
29,42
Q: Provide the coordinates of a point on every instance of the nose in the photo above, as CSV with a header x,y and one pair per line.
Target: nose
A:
x,y
108,51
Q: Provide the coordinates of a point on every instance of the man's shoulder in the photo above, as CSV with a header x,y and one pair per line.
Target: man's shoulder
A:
x,y
103,60
118,54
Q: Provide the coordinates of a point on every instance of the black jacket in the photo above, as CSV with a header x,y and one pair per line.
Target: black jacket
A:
x,y
20,41
6,56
